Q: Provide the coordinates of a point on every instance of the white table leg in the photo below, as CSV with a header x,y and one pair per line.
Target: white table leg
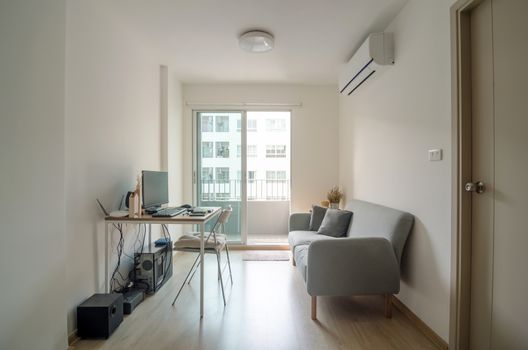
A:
x,y
150,237
106,281
202,253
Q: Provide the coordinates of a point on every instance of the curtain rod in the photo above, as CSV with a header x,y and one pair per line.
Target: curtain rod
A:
x,y
242,104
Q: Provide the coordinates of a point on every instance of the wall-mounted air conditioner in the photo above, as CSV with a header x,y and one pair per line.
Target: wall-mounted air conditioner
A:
x,y
376,51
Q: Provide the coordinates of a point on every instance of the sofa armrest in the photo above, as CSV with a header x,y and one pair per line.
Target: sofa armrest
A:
x,y
299,222
351,266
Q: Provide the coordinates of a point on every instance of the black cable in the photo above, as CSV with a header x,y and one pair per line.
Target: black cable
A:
x,y
120,245
166,234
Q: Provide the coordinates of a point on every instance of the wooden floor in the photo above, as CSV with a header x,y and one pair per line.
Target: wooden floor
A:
x,y
267,308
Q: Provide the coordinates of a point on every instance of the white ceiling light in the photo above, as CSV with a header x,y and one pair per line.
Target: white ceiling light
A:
x,y
256,41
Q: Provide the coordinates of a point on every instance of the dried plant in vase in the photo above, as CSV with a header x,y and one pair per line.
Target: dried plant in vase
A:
x,y
334,197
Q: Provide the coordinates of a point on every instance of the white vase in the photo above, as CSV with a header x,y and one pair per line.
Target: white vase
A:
x,y
334,205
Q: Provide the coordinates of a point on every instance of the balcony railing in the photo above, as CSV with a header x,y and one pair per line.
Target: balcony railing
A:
x,y
257,190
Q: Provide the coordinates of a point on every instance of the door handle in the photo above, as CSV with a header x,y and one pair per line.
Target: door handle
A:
x,y
477,187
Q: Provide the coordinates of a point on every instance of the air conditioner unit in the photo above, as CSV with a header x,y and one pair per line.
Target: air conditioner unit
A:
x,y
375,52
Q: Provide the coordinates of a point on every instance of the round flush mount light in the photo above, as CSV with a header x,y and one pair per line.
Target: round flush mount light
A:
x,y
256,41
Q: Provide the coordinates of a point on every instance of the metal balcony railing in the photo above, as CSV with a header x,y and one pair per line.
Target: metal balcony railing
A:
x,y
257,190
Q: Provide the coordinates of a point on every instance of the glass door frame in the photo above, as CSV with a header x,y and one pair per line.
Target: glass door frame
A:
x,y
243,165
243,139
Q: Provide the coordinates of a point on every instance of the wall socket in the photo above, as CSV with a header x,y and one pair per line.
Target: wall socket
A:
x,y
435,155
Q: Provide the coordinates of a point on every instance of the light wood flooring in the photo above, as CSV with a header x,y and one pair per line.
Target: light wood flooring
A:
x,y
267,308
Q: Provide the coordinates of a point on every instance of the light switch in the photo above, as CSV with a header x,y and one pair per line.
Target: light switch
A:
x,y
435,155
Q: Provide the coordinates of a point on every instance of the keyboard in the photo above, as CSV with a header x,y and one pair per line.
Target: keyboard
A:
x,y
169,212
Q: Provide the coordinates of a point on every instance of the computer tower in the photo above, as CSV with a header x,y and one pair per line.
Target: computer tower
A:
x,y
99,315
153,268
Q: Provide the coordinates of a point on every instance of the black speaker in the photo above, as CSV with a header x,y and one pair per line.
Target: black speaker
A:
x,y
99,315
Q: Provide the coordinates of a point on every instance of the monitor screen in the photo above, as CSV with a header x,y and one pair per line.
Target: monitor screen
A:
x,y
155,188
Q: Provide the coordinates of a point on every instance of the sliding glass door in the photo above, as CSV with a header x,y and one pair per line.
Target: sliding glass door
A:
x,y
217,175
242,159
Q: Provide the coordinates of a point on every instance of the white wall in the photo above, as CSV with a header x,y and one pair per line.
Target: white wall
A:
x,y
386,128
113,131
314,144
32,257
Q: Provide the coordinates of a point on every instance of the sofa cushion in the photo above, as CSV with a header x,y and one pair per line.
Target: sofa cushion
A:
x,y
316,218
335,223
296,238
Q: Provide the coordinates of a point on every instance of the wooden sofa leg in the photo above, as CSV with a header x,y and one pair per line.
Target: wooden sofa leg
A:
x,y
314,307
293,261
388,305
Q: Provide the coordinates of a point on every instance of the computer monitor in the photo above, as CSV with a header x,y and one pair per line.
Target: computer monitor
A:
x,y
155,188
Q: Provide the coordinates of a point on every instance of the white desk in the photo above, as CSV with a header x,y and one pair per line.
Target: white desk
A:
x,y
176,220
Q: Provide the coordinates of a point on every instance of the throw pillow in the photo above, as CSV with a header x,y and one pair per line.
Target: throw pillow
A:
x,y
335,223
318,214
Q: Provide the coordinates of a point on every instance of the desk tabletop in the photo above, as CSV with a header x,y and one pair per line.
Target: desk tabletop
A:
x,y
178,219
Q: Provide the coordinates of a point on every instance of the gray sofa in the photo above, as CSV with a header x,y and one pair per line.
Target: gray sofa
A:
x,y
366,261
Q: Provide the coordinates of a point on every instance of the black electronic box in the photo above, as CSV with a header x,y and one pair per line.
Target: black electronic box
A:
x,y
99,315
153,268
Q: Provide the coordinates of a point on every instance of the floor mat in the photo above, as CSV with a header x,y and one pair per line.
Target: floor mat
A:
x,y
282,255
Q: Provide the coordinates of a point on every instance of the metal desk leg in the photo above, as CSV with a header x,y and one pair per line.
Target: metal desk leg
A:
x,y
202,251
106,281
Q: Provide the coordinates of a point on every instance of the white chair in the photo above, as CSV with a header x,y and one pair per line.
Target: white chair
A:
x,y
214,243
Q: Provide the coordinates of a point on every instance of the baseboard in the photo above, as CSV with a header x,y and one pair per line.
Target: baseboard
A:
x,y
72,337
418,323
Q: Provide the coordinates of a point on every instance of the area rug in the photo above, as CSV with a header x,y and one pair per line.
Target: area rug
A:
x,y
267,256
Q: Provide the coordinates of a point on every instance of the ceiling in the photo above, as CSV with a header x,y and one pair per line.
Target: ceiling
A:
x,y
198,39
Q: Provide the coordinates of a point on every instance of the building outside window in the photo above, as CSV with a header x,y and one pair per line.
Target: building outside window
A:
x,y
222,174
207,123
207,149
222,123
239,125
222,149
275,151
252,125
252,151
274,124
207,173
239,151
251,175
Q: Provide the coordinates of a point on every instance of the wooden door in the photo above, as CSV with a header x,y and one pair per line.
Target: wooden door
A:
x,y
499,256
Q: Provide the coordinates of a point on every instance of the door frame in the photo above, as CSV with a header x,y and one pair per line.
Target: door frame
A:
x,y
460,291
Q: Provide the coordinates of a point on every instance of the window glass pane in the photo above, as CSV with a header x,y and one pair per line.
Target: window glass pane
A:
x,y
239,151
222,149
207,150
273,124
222,174
207,173
270,151
252,125
281,151
239,124
281,175
271,175
251,175
252,151
207,123
222,123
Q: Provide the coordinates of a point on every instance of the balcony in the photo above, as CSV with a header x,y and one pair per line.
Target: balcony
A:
x,y
268,207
